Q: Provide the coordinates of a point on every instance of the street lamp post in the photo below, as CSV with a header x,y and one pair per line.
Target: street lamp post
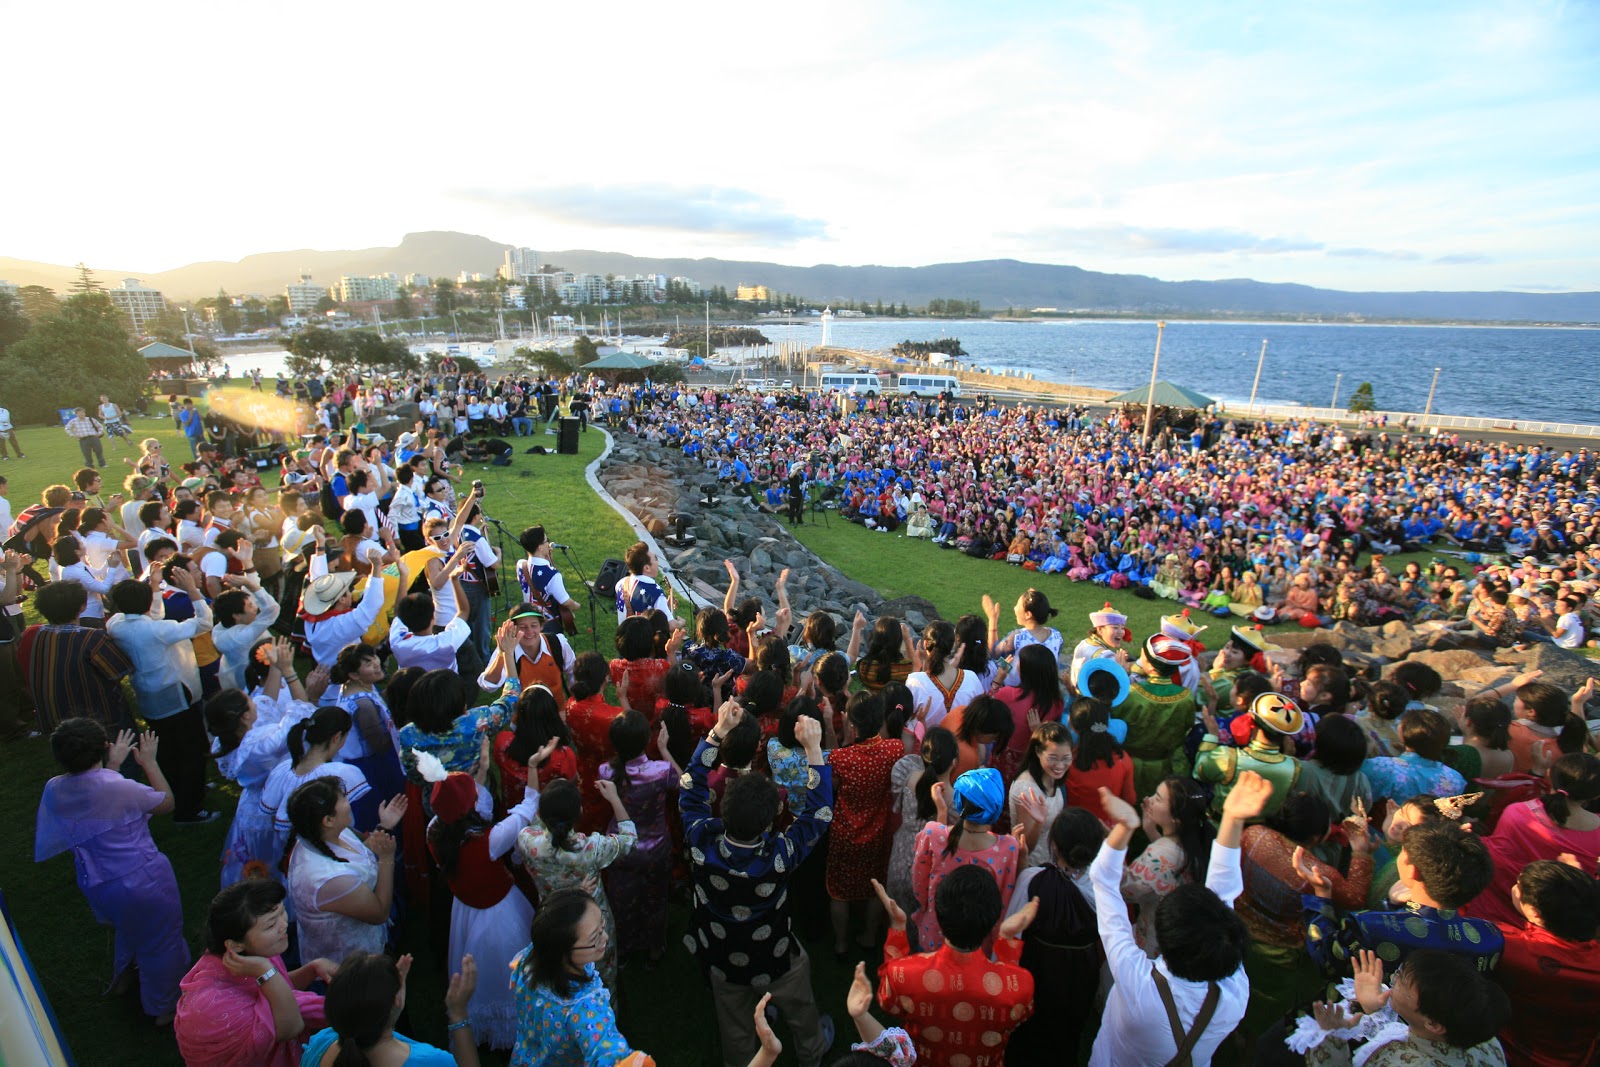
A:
x,y
1429,409
1261,360
1150,397
1337,378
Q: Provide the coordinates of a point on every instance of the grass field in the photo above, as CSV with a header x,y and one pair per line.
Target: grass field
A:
x,y
665,1010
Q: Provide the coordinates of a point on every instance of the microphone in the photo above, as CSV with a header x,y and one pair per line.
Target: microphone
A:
x,y
564,548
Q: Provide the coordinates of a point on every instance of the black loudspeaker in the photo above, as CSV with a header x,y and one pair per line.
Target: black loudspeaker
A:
x,y
567,443
612,571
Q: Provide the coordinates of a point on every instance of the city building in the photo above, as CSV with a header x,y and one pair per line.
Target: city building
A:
x,y
515,296
688,283
304,294
520,264
418,281
756,293
468,276
139,302
353,288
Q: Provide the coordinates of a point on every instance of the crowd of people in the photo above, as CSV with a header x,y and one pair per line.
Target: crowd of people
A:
x,y
1319,872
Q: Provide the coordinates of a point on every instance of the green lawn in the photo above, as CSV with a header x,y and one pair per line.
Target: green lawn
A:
x,y
665,1010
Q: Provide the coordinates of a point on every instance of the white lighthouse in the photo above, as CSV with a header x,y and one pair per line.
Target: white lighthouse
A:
x,y
827,325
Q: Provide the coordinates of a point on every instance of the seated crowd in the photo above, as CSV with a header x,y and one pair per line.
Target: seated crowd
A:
x,y
1020,847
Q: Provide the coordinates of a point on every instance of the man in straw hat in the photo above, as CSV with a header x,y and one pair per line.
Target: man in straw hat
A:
x,y
332,618
1274,718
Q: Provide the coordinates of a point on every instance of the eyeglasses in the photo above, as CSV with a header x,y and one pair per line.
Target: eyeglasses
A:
x,y
596,944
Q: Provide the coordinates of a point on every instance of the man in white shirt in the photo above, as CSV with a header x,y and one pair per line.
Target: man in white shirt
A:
x,y
1569,624
7,434
242,615
1199,975
166,680
335,620
416,642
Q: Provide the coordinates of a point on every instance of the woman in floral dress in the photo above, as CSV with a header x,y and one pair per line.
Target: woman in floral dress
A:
x,y
1180,848
979,798
639,881
559,857
911,784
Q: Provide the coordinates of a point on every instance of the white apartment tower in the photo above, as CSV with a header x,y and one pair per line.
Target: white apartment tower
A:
x,y
304,294
520,264
138,302
353,289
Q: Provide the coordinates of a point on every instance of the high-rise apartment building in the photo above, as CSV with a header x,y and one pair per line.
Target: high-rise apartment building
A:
x,y
139,302
520,264
757,293
304,295
353,289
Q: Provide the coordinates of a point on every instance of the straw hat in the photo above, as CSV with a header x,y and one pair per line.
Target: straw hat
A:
x,y
322,594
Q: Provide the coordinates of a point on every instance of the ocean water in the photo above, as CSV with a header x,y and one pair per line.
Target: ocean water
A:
x,y
1486,372
1526,373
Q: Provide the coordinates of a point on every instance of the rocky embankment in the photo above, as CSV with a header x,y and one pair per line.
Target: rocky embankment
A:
x,y
656,482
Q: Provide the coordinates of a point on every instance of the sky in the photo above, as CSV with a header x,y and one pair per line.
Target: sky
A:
x,y
1375,146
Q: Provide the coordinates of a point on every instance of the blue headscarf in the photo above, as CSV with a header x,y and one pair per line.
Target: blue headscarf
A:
x,y
980,795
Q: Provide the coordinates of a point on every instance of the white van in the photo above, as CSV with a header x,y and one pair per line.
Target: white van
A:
x,y
849,382
930,384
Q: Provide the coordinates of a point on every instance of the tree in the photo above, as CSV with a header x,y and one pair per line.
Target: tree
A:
x,y
373,353
1362,400
86,282
325,304
402,303
71,357
444,296
583,350
13,323
315,348
38,302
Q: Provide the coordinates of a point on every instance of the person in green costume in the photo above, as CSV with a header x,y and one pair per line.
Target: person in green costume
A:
x,y
1275,718
1235,658
1159,712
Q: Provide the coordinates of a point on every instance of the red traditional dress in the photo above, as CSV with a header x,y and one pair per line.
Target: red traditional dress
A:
x,y
1554,986
645,678
1525,833
563,763
958,1006
590,723
858,843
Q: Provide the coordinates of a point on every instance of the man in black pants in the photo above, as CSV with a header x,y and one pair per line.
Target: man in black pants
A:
x,y
797,499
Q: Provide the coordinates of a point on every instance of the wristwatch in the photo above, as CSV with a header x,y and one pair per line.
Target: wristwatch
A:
x,y
271,973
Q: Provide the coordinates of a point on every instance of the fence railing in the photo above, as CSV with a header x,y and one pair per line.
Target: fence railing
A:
x,y
1414,420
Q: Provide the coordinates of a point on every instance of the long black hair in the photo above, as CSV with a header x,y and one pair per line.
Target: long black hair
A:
x,y
1574,779
630,734
986,715
308,805
1090,720
560,807
939,640
360,1004
939,752
447,838
1037,678
555,934
886,645
972,632
538,720
224,713
1188,805
318,728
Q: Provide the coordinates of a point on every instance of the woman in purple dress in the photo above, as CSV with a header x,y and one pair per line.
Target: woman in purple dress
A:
x,y
103,818
638,883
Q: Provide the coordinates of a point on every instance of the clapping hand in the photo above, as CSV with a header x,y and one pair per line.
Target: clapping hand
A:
x,y
391,811
858,1001
1369,981
897,914
622,690
1248,798
991,610
1356,827
607,790
771,1047
117,751
1020,920
282,654
1314,878
145,754
1333,1016
381,845
462,986
1119,810
505,640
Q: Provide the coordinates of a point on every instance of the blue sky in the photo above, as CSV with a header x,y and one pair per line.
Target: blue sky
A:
x,y
1356,146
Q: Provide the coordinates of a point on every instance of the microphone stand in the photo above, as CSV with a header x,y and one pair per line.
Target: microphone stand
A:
x,y
500,544
594,636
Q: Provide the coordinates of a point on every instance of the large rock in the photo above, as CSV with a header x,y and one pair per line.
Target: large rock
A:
x,y
1562,667
1450,664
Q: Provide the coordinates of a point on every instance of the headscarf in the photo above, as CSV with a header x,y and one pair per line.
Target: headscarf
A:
x,y
980,795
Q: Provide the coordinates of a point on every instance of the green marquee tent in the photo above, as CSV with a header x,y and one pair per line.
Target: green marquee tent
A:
x,y
1167,395
621,361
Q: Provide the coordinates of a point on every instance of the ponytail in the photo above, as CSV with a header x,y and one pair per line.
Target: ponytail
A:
x,y
939,637
1574,735
630,735
956,831
939,751
560,806
1574,779
322,726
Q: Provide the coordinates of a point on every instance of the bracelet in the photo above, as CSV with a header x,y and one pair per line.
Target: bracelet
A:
x,y
461,1024
291,677
272,972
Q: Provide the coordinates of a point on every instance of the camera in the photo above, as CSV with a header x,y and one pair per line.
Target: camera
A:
x,y
477,483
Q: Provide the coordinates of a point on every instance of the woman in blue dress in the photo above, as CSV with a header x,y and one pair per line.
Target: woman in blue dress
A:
x,y
365,999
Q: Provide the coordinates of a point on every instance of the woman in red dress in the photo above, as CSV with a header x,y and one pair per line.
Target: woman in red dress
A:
x,y
862,831
637,659
589,718
535,720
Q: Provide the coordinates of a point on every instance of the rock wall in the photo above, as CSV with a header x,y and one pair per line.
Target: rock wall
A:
x,y
656,482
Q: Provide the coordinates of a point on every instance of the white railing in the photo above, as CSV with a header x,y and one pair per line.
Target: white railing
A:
x,y
1417,421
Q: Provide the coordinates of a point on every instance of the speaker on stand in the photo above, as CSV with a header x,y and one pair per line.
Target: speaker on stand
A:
x,y
604,587
567,442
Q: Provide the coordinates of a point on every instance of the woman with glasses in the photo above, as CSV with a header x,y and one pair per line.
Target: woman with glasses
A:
x,y
1038,792
564,1010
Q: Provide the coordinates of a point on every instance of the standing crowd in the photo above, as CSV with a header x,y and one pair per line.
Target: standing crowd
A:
x,y
1052,846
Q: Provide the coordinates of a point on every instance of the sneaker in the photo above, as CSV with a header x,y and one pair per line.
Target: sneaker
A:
x,y
200,818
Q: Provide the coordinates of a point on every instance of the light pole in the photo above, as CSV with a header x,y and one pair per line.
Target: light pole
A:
x,y
1429,409
1262,359
1150,397
1337,378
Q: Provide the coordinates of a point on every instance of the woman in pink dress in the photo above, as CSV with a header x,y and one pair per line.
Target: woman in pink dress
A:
x,y
241,1006
1543,829
979,797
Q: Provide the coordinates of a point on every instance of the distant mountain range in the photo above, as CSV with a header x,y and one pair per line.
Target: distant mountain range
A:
x,y
997,283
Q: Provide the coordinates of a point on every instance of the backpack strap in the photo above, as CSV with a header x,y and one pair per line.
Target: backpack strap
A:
x,y
1185,1040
